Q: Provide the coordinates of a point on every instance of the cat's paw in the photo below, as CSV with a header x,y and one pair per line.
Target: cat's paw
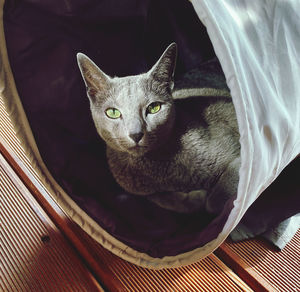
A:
x,y
197,198
179,201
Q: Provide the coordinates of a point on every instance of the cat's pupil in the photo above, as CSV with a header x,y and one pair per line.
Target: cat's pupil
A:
x,y
113,113
153,107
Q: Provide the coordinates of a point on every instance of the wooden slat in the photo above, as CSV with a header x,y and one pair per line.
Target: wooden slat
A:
x,y
35,256
267,267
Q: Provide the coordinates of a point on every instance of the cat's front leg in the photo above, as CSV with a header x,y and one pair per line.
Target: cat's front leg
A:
x,y
179,201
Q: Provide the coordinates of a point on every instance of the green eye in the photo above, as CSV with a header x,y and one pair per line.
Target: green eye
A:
x,y
153,108
113,113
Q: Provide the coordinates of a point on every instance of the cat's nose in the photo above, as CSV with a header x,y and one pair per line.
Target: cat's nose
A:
x,y
136,137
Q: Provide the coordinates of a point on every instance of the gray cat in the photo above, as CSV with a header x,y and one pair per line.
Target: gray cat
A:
x,y
179,148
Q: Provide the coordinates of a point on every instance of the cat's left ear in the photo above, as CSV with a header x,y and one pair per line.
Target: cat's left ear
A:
x,y
96,81
164,68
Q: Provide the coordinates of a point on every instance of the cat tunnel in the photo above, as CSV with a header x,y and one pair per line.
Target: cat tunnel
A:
x,y
258,46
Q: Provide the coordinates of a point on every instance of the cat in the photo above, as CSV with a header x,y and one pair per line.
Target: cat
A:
x,y
179,148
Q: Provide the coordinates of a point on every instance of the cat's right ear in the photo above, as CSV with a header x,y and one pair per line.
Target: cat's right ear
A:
x,y
95,80
164,68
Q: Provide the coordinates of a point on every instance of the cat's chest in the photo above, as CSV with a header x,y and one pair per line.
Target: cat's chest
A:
x,y
146,175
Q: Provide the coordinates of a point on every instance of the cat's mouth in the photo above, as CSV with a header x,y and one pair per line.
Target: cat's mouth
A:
x,y
138,147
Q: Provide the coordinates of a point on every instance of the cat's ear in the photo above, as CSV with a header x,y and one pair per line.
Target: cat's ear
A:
x,y
95,80
164,68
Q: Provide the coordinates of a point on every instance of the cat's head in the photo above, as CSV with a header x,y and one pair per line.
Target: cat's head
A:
x,y
133,114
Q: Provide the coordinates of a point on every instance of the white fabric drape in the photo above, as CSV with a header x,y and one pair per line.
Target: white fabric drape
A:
x,y
258,45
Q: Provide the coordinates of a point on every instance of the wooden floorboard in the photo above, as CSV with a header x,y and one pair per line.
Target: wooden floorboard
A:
x,y
262,265
35,255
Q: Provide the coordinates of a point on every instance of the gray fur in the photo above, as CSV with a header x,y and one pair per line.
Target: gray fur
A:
x,y
188,156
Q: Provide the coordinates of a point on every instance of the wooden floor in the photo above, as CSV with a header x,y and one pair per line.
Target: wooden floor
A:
x,y
35,256
41,249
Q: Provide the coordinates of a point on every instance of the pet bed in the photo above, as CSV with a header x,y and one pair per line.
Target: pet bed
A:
x,y
257,45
